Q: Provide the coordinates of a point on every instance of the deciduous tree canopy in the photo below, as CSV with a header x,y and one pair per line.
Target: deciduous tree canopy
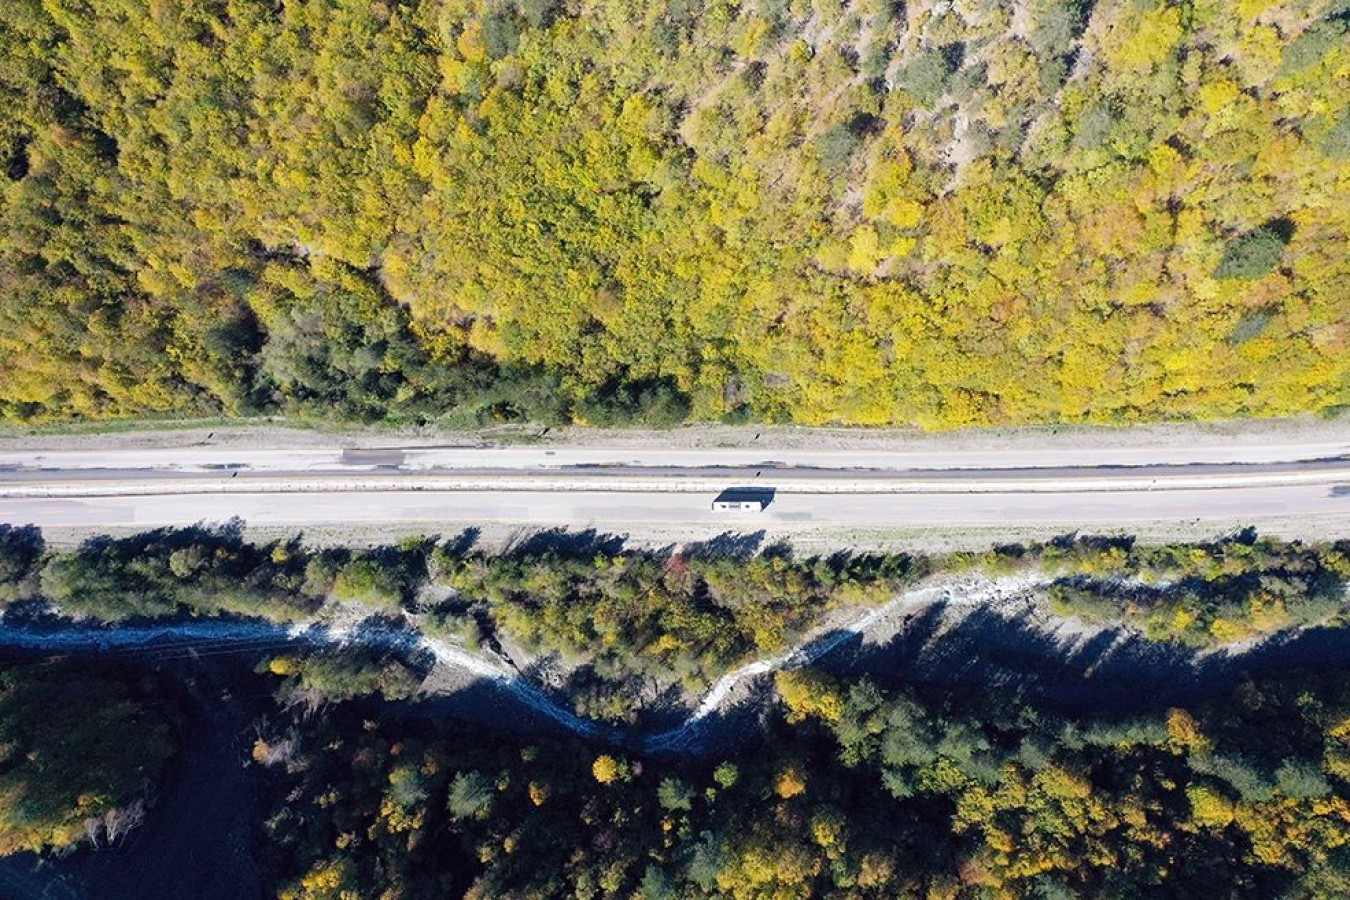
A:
x,y
806,210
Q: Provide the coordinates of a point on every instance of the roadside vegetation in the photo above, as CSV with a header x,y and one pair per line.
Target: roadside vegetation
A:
x,y
860,213
1200,595
670,619
619,631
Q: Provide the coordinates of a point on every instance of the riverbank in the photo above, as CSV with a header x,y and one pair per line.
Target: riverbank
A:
x,y
956,631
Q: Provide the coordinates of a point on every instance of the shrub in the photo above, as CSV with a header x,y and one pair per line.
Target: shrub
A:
x,y
368,581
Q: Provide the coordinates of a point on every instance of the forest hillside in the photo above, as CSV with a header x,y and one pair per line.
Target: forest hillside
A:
x,y
918,213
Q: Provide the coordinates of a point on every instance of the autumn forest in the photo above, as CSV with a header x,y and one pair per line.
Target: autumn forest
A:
x,y
430,218
928,213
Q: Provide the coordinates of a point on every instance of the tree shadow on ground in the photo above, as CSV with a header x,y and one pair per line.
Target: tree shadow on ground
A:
x,y
727,545
565,542
228,535
460,544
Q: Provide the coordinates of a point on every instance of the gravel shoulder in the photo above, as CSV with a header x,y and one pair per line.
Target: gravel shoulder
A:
x,y
494,537
283,434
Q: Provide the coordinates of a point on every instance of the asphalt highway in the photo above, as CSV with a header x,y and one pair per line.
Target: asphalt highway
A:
x,y
628,488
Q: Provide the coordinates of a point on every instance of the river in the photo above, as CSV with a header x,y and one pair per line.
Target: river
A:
x,y
967,634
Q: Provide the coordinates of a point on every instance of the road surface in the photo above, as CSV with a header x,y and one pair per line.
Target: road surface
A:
x,y
630,488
